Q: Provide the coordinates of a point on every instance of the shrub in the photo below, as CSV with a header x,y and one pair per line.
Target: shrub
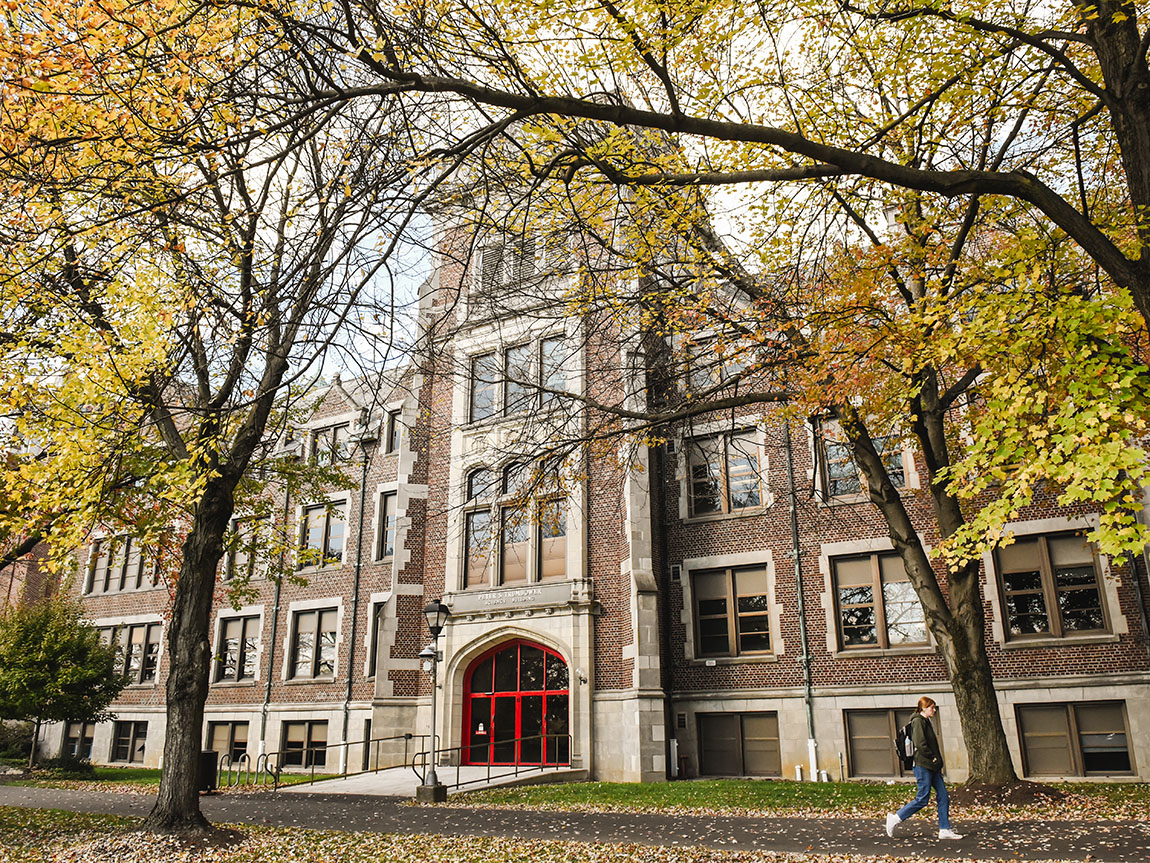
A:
x,y
15,741
67,767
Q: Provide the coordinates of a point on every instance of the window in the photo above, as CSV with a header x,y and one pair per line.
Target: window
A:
x,y
128,740
377,612
712,362
484,386
732,613
739,744
1050,586
313,644
517,380
552,375
386,547
138,650
78,739
509,262
509,535
477,539
1082,739
841,476
391,444
321,535
238,649
876,605
228,738
331,445
118,563
723,473
246,548
304,744
870,751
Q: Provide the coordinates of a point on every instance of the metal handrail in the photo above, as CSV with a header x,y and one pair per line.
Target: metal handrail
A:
x,y
422,758
278,757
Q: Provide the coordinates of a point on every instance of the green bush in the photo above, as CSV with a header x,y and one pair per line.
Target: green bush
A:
x,y
15,741
66,767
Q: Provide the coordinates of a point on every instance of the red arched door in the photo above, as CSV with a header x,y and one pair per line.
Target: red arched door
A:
x,y
515,707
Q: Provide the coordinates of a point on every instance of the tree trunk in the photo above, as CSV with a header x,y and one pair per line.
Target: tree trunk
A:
x,y
958,624
177,808
35,740
973,682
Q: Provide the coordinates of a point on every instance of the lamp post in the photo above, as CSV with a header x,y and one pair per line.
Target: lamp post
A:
x,y
436,613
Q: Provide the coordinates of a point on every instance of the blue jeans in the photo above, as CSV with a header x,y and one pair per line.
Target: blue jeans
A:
x,y
926,780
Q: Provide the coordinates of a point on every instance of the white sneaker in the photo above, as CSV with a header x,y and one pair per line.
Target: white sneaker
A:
x,y
892,821
943,834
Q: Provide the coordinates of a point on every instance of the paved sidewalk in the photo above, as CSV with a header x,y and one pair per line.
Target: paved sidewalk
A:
x,y
1106,842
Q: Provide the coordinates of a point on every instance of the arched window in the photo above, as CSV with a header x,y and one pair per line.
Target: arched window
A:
x,y
516,707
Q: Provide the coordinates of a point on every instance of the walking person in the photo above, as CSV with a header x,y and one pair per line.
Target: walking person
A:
x,y
927,772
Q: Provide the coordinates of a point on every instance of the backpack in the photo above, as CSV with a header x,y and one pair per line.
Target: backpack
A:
x,y
904,747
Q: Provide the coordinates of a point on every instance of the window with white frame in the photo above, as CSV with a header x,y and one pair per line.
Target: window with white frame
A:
x,y
118,563
313,644
238,648
875,602
840,475
322,530
1050,586
723,473
385,547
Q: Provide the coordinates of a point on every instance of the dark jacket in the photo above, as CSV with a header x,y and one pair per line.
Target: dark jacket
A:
x,y
926,751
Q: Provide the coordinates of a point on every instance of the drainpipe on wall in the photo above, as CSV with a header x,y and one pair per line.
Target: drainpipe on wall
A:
x,y
664,600
275,627
808,689
363,442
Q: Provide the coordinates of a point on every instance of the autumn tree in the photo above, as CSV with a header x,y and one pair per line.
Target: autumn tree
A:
x,y
53,667
188,249
933,229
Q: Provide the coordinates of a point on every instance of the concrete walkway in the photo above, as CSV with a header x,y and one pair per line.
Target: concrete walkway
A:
x,y
1105,842
402,781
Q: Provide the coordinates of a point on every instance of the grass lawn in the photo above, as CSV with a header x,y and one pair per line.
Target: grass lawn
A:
x,y
48,836
785,797
142,780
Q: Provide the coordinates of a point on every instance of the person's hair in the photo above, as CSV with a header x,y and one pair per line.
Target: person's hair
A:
x,y
925,702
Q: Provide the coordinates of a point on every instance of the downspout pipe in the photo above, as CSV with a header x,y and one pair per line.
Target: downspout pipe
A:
x,y
804,639
275,628
363,442
664,601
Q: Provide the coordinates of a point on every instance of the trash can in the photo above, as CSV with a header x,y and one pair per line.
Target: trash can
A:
x,y
684,762
209,759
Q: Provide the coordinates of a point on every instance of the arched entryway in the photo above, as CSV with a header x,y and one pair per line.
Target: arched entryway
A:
x,y
515,707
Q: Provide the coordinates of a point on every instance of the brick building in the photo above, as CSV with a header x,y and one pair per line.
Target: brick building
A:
x,y
726,603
